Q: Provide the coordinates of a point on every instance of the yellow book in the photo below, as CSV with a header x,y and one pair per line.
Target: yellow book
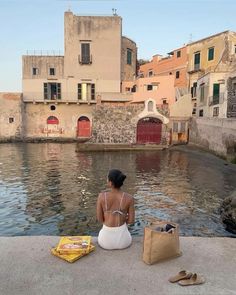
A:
x,y
74,245
71,257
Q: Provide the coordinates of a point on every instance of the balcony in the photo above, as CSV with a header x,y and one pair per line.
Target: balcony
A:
x,y
63,98
196,68
217,99
85,60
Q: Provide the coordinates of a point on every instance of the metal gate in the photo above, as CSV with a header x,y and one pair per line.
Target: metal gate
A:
x,y
149,130
83,127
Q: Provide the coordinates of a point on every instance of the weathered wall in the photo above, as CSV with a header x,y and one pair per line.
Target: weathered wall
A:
x,y
118,124
115,124
217,135
36,120
10,116
103,33
128,72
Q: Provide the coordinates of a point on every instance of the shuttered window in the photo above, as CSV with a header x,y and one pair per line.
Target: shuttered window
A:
x,y
211,53
85,53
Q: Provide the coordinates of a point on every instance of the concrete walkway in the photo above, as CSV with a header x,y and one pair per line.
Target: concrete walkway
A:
x,y
27,267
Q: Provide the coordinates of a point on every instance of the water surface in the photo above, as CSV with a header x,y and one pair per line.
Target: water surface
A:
x,y
49,189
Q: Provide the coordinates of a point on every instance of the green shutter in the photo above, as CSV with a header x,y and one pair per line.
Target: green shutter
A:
x,y
211,53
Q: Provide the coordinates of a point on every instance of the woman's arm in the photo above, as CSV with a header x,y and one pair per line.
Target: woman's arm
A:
x,y
131,213
100,213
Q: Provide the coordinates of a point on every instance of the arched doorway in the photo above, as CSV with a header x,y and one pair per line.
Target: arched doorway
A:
x,y
83,127
149,130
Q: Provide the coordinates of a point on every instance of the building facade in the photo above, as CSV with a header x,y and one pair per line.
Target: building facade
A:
x,y
210,61
59,92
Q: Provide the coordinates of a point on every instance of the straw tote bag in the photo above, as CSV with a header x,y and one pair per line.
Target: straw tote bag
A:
x,y
159,245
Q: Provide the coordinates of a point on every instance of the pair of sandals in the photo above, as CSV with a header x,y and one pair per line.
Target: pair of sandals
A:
x,y
185,278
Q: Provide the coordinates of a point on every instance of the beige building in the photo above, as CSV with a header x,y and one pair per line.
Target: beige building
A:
x,y
59,92
207,57
11,126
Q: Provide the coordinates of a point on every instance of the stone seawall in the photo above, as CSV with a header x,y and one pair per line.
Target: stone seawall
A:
x,y
115,124
215,134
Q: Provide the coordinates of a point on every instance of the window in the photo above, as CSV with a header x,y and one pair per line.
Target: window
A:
x,y
127,89
177,75
11,120
234,48
150,73
201,113
134,88
129,57
175,127
216,112
197,58
211,53
52,91
52,71
164,101
35,71
52,108
194,90
178,53
52,120
85,54
216,93
86,91
202,93
149,87
182,127
170,73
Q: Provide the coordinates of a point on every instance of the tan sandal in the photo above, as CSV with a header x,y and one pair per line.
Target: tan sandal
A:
x,y
194,280
183,274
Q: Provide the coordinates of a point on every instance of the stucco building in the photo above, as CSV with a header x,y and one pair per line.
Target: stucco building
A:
x,y
59,92
210,61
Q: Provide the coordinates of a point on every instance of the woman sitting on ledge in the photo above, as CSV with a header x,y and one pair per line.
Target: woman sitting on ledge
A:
x,y
115,209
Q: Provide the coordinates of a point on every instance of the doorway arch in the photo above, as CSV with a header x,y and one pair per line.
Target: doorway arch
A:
x,y
83,127
149,130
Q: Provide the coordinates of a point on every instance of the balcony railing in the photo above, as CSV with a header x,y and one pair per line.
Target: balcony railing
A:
x,y
64,97
216,99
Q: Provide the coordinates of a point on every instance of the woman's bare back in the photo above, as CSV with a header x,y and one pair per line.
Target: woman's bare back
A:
x,y
115,208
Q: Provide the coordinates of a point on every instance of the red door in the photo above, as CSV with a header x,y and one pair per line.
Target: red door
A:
x,y
149,130
83,127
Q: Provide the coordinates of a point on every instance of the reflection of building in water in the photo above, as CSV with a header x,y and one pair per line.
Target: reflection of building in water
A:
x,y
148,161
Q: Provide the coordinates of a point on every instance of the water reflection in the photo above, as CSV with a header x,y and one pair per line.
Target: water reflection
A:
x,y
50,189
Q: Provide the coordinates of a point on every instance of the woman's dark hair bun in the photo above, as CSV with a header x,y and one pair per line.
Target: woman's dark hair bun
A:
x,y
116,177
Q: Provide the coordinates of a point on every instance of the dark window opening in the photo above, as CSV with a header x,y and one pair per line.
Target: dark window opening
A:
x,y
52,91
134,88
178,53
197,58
85,54
52,71
52,108
149,87
150,73
201,113
35,71
194,90
129,57
177,75
11,120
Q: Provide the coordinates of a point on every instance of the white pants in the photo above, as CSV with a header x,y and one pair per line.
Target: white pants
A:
x,y
112,238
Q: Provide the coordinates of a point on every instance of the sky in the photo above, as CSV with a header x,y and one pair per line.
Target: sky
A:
x,y
157,26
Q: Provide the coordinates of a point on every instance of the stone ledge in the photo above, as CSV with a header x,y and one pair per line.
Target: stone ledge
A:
x,y
27,267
